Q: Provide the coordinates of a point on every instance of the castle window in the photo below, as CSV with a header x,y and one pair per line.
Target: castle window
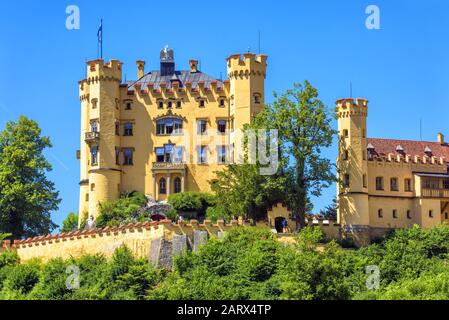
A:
x,y
345,133
162,186
94,126
87,197
380,213
221,103
178,104
202,154
128,157
430,214
94,156
117,129
202,103
364,133
92,187
409,214
395,214
345,155
221,124
94,103
128,129
160,105
178,154
221,152
169,105
446,216
379,183
177,185
117,156
346,181
128,105
394,184
364,181
160,155
169,126
257,98
408,185
202,127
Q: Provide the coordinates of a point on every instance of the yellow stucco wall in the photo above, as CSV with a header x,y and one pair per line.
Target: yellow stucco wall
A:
x,y
104,99
360,204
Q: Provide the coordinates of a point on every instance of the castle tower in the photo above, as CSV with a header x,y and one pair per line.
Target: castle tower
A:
x,y
247,90
353,212
100,113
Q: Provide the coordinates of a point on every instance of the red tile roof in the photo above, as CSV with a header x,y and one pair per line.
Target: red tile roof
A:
x,y
413,148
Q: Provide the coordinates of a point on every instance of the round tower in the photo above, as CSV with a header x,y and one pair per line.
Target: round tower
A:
x,y
353,212
100,170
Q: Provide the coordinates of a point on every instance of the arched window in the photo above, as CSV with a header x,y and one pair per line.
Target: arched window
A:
x,y
257,98
162,186
177,185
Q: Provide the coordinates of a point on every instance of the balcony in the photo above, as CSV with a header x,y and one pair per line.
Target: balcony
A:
x,y
435,193
92,137
169,166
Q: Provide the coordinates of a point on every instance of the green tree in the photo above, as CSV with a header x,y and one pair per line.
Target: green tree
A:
x,y
123,210
242,191
26,195
304,129
330,211
70,223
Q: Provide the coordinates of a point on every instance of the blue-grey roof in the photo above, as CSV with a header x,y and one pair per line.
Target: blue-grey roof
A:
x,y
155,78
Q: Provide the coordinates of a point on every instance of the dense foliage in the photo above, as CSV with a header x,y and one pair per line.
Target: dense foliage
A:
x,y
249,263
192,203
70,223
123,210
26,195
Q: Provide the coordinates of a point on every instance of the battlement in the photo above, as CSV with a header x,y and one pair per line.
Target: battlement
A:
x,y
246,64
352,107
410,159
99,70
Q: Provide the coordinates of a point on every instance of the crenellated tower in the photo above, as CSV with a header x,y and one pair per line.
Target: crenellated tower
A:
x,y
100,144
247,90
352,165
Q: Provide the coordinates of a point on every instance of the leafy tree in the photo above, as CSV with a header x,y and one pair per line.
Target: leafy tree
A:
x,y
123,210
304,129
330,212
242,191
70,223
197,202
26,195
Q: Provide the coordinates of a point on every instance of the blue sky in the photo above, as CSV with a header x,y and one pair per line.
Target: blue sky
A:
x,y
403,68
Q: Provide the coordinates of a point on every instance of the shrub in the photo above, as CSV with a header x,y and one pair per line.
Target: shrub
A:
x,y
123,210
21,279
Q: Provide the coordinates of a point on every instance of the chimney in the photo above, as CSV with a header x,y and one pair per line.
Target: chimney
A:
x,y
193,66
140,68
440,138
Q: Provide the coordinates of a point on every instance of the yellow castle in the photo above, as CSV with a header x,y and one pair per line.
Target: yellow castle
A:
x,y
166,132
387,184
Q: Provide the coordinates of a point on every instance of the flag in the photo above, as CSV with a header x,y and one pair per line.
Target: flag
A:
x,y
100,39
100,32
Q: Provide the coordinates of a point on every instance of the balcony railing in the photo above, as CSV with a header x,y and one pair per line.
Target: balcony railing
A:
x,y
169,166
435,193
91,137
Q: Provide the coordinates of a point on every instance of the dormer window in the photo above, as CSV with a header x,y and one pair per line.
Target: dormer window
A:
x,y
399,149
428,151
371,150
